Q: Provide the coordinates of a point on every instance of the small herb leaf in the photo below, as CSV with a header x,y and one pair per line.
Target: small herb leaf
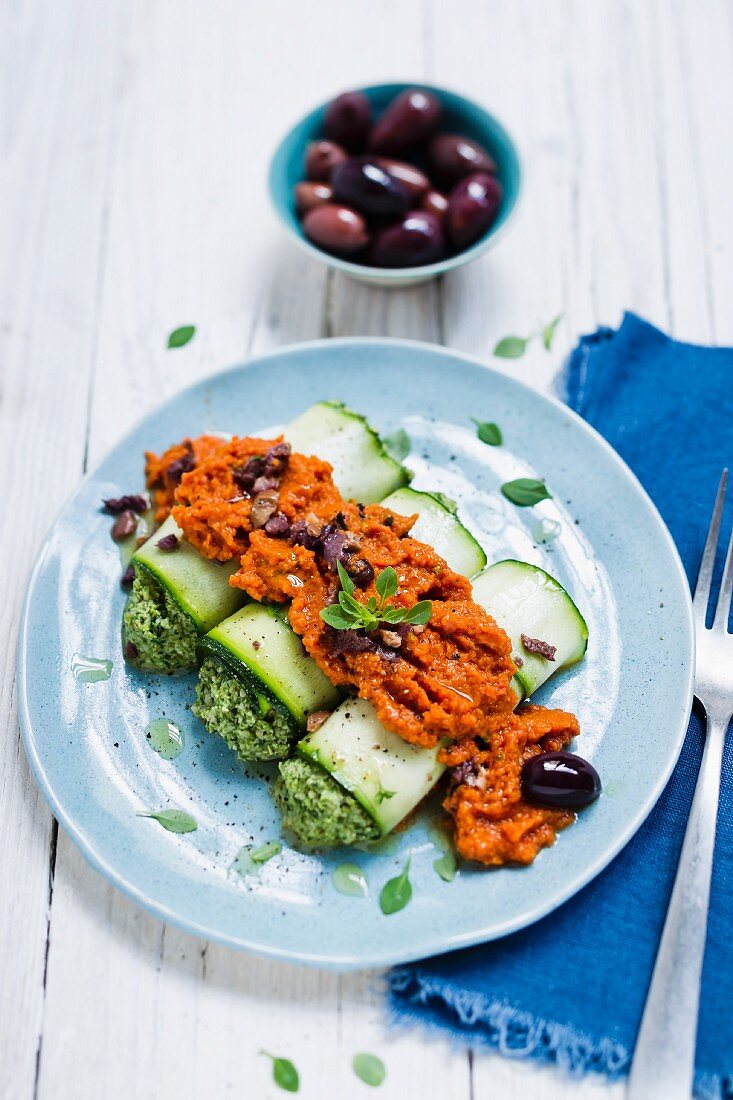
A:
x,y
284,1073
396,892
446,866
446,501
489,433
397,444
369,1069
175,821
336,617
181,336
511,347
346,582
525,491
383,794
420,613
548,332
265,852
386,583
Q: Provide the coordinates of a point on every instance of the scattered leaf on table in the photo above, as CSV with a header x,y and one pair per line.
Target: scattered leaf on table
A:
x,y
446,866
396,893
489,433
525,491
369,1069
175,821
548,332
284,1073
181,336
511,347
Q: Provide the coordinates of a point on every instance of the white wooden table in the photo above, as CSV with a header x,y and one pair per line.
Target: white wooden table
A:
x,y
135,140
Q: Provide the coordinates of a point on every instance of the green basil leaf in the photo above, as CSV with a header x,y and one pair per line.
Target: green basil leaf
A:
x,y
369,1069
371,603
265,852
175,821
394,615
396,893
420,613
346,582
397,444
335,617
284,1073
511,347
446,866
386,583
181,336
489,433
548,332
349,605
525,491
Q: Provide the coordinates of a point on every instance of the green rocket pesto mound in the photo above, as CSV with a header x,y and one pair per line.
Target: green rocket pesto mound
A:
x,y
245,719
318,809
157,634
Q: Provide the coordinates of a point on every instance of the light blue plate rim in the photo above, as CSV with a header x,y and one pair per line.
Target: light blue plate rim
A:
x,y
384,957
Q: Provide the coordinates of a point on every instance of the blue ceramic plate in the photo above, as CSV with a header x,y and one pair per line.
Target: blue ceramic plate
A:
x,y
86,742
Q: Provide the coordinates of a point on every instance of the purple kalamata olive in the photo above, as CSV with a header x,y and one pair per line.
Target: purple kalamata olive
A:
x,y
408,120
321,157
452,158
435,202
336,228
308,195
348,120
415,240
412,179
560,779
364,185
472,207
124,526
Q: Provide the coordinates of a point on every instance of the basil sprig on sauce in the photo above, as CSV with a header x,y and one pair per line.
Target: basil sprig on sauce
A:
x,y
350,614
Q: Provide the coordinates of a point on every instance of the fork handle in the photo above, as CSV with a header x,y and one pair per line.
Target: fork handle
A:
x,y
664,1057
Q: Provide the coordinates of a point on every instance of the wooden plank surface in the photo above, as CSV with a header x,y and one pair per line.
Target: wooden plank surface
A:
x,y
135,142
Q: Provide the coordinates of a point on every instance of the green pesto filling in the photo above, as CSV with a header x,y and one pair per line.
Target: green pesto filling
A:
x,y
163,634
245,718
320,812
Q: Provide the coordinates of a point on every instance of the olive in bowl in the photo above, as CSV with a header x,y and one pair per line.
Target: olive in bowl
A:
x,y
398,158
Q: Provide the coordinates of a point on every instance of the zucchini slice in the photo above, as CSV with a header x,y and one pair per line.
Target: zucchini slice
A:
x,y
258,646
366,759
524,599
176,597
439,526
385,774
362,469
200,586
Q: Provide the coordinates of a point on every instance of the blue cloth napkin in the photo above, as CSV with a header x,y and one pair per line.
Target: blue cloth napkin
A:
x,y
667,408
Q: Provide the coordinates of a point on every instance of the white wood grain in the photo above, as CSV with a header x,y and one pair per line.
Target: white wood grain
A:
x,y
135,145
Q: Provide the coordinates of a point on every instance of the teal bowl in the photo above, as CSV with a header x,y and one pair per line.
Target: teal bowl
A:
x,y
460,115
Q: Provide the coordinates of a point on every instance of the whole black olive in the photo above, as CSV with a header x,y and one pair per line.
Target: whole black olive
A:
x,y
348,119
410,119
452,157
412,179
363,185
416,239
321,157
472,207
336,228
308,195
561,780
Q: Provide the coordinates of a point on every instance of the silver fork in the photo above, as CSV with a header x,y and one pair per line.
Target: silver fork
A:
x,y
664,1058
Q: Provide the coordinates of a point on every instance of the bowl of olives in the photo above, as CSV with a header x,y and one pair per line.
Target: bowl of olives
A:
x,y
395,184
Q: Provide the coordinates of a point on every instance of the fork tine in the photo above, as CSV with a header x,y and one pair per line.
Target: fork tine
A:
x,y
722,611
705,576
